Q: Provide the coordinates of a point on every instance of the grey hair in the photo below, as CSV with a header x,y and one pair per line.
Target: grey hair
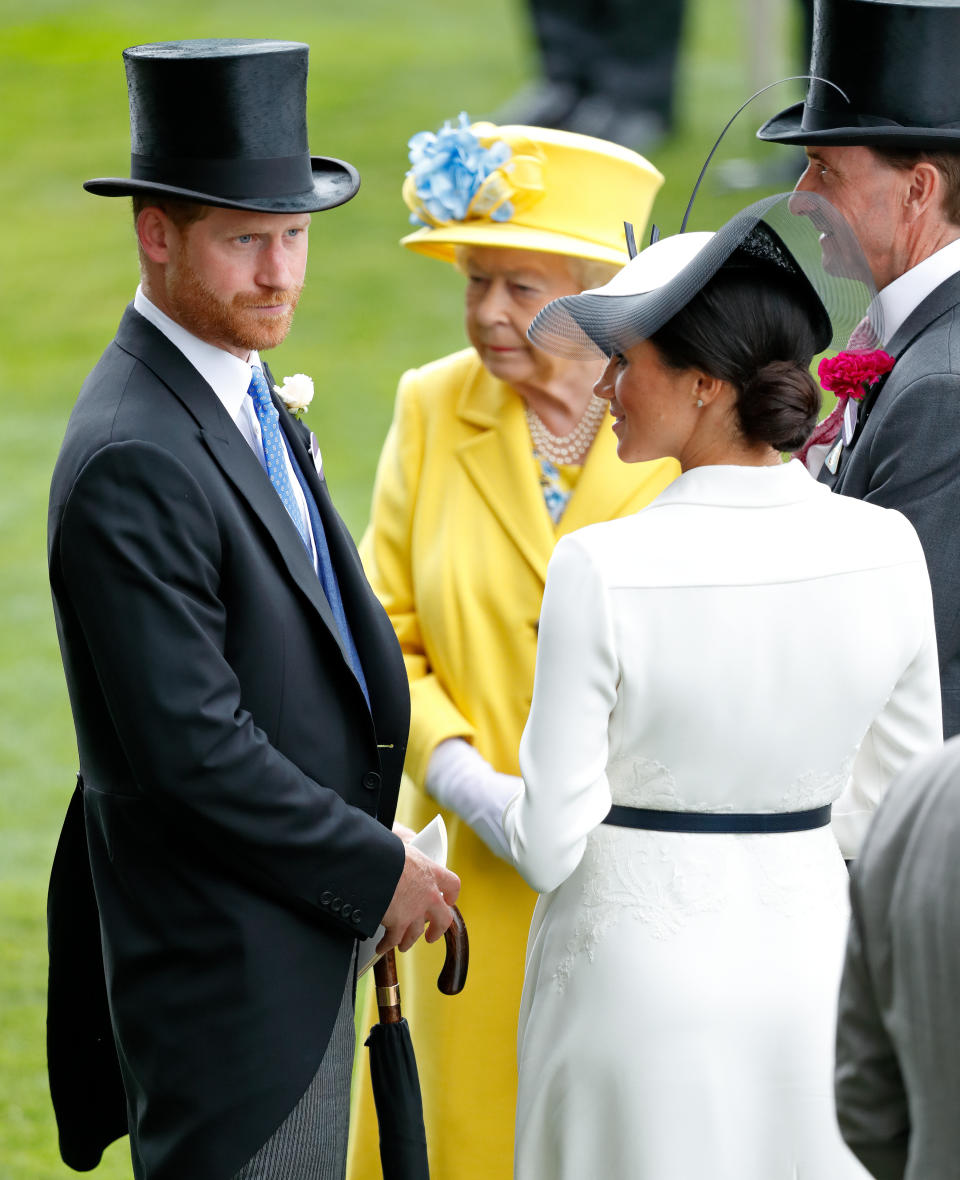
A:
x,y
586,273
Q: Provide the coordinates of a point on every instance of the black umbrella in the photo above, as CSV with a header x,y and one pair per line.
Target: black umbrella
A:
x,y
393,1067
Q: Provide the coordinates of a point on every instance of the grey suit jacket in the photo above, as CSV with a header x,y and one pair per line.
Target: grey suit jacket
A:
x,y
906,455
898,1069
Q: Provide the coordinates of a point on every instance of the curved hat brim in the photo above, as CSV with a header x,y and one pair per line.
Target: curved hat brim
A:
x,y
787,127
334,183
789,234
442,242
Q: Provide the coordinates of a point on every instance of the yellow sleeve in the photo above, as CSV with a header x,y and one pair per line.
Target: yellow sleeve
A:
x,y
387,553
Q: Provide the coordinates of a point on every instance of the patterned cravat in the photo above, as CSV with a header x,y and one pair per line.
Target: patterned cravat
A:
x,y
274,451
842,419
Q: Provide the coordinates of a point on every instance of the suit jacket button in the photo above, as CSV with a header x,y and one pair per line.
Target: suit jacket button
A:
x,y
346,911
356,917
336,904
371,780
326,897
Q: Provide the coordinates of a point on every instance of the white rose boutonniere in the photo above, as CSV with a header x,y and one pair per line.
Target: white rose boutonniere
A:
x,y
296,392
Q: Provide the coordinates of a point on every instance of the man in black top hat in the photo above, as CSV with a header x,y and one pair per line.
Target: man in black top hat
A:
x,y
239,697
881,128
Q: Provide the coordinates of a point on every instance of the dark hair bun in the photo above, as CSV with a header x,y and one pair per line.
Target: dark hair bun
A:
x,y
779,405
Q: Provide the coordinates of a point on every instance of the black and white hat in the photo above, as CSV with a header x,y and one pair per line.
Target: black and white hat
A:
x,y
799,237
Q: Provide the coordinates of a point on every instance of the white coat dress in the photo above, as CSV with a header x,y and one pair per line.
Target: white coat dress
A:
x,y
750,642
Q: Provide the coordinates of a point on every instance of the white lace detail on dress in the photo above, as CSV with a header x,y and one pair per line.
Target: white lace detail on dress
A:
x,y
643,782
665,879
815,788
644,879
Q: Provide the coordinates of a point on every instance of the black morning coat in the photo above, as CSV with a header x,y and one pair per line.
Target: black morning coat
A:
x,y
235,789
905,454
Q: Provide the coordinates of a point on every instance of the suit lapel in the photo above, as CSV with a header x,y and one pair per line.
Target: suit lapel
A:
x,y
940,300
500,464
373,635
869,401
229,449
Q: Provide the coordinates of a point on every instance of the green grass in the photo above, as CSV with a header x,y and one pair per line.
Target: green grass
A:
x,y
380,71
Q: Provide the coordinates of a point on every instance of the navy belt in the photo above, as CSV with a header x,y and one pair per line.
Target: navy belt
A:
x,y
711,821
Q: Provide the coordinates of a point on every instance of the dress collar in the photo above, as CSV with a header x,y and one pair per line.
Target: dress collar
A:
x,y
755,487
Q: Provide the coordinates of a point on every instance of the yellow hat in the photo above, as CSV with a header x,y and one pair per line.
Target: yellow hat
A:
x,y
525,188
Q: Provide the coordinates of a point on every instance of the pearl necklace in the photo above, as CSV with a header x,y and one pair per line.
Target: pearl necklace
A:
x,y
567,448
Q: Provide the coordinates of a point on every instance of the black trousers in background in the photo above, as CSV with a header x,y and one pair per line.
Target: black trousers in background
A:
x,y
625,50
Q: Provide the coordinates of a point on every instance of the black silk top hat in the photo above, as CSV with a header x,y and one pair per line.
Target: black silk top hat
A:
x,y
895,62
224,122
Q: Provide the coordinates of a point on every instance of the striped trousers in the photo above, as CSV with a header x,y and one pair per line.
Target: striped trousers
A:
x,y
311,1142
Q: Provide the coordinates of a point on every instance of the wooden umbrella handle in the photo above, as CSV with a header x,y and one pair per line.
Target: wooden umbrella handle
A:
x,y
454,973
452,976
388,990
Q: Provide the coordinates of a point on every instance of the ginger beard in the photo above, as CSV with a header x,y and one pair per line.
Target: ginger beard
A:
x,y
239,322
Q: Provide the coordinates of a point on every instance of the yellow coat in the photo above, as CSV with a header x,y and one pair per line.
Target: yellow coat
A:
x,y
457,550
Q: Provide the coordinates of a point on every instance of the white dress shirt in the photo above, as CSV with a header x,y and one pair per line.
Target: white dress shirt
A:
x,y
229,378
899,298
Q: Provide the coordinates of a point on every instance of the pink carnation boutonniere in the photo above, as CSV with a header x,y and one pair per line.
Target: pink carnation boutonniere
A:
x,y
850,374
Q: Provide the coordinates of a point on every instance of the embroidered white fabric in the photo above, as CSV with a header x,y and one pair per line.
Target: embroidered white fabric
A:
x,y
664,880
679,981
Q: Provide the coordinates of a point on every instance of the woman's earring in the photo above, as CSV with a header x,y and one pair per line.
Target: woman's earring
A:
x,y
699,402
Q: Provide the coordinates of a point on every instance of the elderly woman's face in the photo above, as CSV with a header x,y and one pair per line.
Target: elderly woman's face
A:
x,y
505,290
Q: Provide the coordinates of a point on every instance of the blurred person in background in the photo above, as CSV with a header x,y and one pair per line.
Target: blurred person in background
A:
x,y
494,453
898,1071
609,68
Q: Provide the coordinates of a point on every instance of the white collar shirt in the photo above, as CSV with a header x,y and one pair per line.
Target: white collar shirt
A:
x,y
229,378
905,294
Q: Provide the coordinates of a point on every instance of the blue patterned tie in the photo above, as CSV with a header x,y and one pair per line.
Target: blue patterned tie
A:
x,y
274,451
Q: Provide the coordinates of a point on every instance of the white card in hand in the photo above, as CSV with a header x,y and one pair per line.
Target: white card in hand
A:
x,y
432,842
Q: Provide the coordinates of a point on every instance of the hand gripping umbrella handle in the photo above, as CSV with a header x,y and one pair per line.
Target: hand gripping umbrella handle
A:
x,y
452,977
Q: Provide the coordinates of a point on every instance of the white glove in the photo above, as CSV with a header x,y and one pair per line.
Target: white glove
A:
x,y
463,781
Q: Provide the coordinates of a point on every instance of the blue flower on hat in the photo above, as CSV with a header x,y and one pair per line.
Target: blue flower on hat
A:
x,y
448,170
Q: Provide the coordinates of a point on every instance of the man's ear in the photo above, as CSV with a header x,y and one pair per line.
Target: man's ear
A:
x,y
155,231
924,192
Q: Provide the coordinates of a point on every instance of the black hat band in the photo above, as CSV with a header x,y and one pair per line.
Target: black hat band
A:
x,y
817,120
281,176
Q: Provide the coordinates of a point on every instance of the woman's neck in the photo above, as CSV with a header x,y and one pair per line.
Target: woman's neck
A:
x,y
732,456
561,400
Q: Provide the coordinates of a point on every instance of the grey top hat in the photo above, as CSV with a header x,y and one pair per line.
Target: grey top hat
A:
x,y
896,62
224,122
